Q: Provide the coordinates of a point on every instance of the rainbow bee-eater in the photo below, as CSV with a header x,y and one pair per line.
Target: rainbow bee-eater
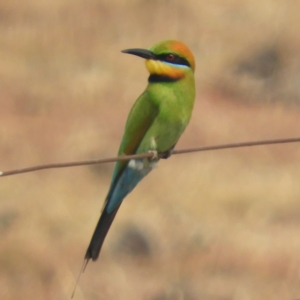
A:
x,y
155,123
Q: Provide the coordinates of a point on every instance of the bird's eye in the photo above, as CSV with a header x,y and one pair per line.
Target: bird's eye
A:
x,y
170,57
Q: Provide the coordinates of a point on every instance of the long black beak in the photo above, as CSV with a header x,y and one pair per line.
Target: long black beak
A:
x,y
147,54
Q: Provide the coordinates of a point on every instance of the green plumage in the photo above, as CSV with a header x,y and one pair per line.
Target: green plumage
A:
x,y
156,121
161,113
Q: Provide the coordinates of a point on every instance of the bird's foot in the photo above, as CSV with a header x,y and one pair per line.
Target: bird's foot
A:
x,y
154,155
167,154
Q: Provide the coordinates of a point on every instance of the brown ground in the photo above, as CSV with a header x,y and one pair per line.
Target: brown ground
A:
x,y
215,225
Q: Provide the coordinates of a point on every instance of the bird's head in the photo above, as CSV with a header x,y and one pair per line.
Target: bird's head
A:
x,y
169,59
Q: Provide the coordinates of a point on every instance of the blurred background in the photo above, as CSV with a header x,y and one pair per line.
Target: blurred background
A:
x,y
216,225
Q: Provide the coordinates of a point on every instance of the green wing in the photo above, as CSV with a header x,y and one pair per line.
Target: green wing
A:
x,y
141,116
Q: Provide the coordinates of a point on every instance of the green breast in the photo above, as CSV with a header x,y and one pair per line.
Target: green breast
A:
x,y
175,104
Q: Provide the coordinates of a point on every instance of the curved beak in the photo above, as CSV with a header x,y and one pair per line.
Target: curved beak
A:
x,y
147,54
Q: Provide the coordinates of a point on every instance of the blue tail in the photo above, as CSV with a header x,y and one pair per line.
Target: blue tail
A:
x,y
135,171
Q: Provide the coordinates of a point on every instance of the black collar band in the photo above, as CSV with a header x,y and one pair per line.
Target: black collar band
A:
x,y
161,78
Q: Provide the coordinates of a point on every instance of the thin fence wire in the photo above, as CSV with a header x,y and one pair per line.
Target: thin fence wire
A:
x,y
150,155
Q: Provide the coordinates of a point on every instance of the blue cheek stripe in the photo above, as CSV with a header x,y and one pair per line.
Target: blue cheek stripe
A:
x,y
175,65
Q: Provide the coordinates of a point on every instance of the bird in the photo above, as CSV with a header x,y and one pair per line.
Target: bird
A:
x,y
155,123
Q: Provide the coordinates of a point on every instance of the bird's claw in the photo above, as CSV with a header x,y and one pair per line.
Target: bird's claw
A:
x,y
168,153
154,154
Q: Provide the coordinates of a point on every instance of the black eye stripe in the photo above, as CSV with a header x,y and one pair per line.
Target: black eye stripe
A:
x,y
177,59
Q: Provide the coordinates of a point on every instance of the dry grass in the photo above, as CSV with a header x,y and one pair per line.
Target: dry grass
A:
x,y
218,225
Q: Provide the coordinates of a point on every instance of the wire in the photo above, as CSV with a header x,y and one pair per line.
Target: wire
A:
x,y
151,155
